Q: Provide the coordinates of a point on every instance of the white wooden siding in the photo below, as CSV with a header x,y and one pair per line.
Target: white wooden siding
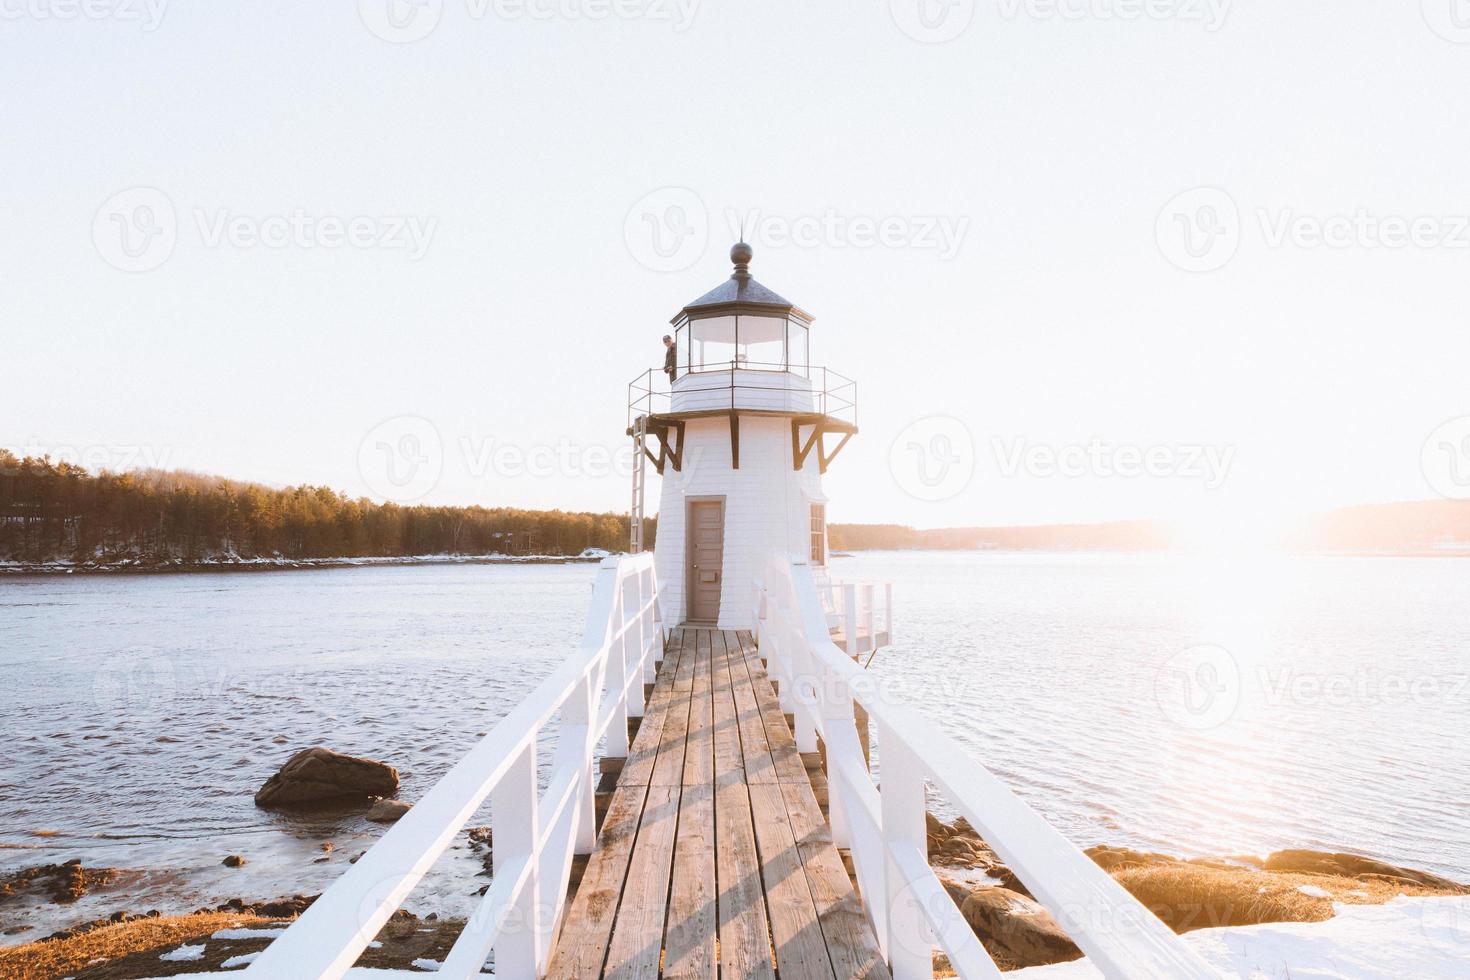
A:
x,y
767,509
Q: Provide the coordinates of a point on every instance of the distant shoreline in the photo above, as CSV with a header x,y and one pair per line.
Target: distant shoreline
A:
x,y
178,566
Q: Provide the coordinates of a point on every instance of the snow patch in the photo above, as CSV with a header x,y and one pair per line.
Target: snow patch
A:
x,y
244,959
1312,891
184,953
426,964
247,933
971,878
1423,938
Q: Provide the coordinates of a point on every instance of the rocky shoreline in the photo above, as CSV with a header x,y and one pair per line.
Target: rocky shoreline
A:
x,y
1187,894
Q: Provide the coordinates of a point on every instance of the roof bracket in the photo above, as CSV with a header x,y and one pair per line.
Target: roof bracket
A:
x,y
821,426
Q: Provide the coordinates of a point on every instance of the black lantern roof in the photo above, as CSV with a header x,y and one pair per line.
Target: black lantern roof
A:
x,y
741,293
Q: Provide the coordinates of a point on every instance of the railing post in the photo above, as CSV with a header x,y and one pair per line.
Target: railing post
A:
x,y
643,642
839,735
853,635
869,615
774,648
902,801
576,724
651,631
799,670
634,650
850,618
513,818
616,746
888,610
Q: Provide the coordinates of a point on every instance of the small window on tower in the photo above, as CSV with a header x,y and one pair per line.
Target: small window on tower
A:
x,y
819,534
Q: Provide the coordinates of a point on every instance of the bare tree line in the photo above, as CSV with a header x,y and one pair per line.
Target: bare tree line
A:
x,y
56,510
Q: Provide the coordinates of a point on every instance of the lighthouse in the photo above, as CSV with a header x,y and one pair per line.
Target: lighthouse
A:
x,y
741,435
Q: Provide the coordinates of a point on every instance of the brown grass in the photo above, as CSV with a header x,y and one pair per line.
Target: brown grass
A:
x,y
1188,897
131,950
128,943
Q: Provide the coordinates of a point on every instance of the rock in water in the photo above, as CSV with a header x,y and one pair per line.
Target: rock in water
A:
x,y
388,811
314,775
60,883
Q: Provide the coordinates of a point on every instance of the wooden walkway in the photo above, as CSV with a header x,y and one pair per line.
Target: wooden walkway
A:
x,y
714,859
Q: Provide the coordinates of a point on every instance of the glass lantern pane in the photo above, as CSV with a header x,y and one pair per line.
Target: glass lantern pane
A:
x,y
712,343
762,343
681,348
796,349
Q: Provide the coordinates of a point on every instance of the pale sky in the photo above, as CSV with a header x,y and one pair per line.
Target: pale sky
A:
x,y
1031,289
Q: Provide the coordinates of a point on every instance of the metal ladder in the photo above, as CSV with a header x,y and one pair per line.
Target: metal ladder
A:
x,y
640,481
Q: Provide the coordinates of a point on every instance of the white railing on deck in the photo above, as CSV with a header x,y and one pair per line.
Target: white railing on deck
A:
x,y
884,829
859,609
536,834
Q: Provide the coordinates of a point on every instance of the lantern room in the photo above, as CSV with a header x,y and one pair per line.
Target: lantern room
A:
x,y
741,325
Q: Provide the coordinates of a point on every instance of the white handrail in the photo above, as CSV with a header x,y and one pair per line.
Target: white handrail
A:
x,y
536,835
884,826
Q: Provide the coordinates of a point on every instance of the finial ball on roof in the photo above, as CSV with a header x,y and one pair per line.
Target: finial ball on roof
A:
x,y
741,253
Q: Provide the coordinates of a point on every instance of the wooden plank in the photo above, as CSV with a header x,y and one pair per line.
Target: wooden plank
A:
x,y
800,947
745,947
850,941
728,758
779,740
760,769
699,757
684,670
689,943
637,941
635,951
645,748
668,770
588,926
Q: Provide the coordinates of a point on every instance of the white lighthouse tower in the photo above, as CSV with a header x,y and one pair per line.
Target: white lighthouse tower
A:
x,y
741,437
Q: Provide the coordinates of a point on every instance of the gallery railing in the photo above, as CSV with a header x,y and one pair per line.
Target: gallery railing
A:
x,y
833,394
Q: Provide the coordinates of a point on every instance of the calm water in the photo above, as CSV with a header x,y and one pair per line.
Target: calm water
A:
x,y
1188,706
